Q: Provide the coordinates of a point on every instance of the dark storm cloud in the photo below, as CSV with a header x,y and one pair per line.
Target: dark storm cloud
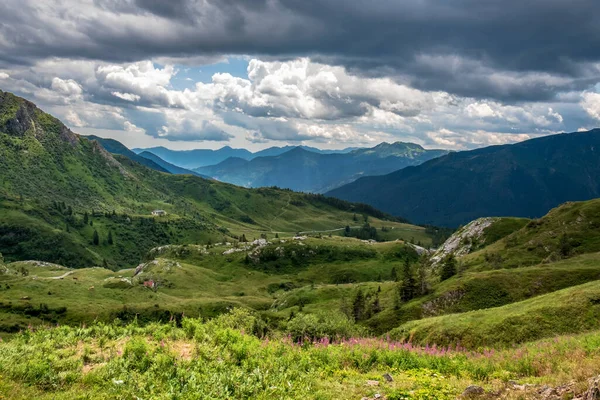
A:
x,y
511,50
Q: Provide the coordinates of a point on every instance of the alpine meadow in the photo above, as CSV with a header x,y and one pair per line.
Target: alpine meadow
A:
x,y
300,200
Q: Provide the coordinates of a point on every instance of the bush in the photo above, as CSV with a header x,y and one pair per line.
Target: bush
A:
x,y
318,326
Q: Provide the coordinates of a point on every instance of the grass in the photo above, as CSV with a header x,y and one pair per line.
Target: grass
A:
x,y
222,358
565,311
197,281
539,241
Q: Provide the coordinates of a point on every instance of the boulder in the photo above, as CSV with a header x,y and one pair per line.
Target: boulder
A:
x,y
473,391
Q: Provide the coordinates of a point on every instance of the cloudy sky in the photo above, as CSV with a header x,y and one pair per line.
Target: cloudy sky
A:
x,y
454,74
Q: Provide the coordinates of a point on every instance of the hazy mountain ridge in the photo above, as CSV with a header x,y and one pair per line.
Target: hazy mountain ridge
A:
x,y
302,170
198,158
174,169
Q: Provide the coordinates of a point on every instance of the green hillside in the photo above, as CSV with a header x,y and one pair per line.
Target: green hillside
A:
x,y
57,189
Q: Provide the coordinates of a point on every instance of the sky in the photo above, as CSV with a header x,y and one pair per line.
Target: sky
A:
x,y
184,74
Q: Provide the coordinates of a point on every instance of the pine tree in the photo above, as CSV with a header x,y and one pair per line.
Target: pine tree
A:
x,y
276,235
375,306
448,268
564,245
422,270
358,305
408,288
86,218
96,238
110,238
394,275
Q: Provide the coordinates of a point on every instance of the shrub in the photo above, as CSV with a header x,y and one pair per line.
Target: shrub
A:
x,y
318,326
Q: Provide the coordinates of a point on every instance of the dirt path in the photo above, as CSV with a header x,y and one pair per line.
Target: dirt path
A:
x,y
330,230
62,276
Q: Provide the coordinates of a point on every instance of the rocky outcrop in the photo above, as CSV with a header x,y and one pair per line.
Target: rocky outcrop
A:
x,y
464,240
21,116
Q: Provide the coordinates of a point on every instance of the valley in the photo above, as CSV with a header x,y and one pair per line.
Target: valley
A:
x,y
124,277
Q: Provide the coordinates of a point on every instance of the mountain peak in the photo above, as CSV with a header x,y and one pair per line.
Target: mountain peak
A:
x,y
19,117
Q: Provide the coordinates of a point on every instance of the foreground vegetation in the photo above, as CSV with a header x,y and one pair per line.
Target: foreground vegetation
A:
x,y
229,357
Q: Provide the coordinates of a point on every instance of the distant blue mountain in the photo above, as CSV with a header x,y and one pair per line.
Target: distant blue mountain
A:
x,y
174,169
308,171
191,159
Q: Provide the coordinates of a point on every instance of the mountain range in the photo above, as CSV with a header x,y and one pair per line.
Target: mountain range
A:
x,y
305,170
191,159
66,199
524,180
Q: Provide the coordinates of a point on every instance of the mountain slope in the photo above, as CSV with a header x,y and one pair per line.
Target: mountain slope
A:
x,y
116,147
173,169
66,199
521,180
308,171
190,159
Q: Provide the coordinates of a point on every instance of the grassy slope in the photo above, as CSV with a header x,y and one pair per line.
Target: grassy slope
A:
x,y
566,311
539,240
221,359
515,283
201,282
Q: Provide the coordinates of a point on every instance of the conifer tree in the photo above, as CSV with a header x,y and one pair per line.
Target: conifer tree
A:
x,y
408,288
96,238
448,268
564,245
375,306
110,238
422,273
358,305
